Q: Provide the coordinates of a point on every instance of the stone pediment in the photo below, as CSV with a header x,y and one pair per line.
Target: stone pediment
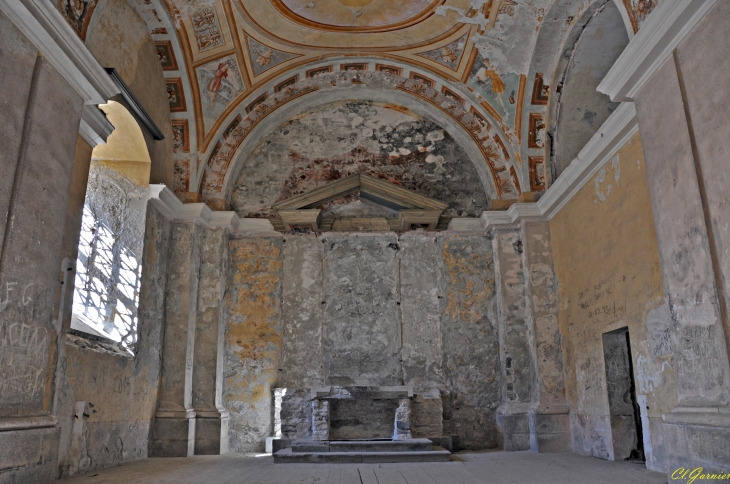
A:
x,y
402,209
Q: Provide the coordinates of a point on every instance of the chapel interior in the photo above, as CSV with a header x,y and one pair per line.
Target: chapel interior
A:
x,y
369,232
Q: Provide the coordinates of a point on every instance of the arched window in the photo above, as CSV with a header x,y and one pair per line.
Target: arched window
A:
x,y
108,268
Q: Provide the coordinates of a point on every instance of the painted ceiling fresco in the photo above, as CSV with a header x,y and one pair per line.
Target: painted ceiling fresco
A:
x,y
232,65
340,139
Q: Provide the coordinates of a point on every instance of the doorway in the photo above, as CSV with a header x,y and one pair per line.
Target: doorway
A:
x,y
626,431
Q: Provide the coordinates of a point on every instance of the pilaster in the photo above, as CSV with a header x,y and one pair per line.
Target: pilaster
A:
x,y
516,340
211,434
549,415
175,424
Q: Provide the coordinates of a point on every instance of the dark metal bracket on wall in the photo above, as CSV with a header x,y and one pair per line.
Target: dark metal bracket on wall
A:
x,y
134,104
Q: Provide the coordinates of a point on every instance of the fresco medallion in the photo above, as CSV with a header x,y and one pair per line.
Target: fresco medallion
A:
x,y
360,15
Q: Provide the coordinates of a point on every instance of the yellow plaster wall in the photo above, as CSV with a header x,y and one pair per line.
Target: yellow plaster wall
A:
x,y
253,339
607,263
125,150
118,38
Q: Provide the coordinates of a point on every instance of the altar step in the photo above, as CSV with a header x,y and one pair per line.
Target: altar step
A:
x,y
362,451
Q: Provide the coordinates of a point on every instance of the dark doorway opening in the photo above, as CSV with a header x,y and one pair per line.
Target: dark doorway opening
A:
x,y
628,440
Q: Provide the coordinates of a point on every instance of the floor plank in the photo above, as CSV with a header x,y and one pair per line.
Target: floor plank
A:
x,y
367,475
417,475
466,468
389,475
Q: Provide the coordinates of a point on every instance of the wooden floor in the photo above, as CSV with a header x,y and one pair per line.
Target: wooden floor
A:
x,y
465,468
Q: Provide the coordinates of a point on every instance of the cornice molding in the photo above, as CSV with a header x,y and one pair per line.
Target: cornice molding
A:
x,y
46,28
253,226
173,209
618,129
195,212
22,423
663,31
470,224
227,220
492,219
94,127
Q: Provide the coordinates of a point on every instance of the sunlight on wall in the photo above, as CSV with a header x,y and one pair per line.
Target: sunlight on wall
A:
x,y
108,268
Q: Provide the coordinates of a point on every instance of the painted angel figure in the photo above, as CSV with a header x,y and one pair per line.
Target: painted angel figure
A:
x,y
488,72
77,7
644,8
214,85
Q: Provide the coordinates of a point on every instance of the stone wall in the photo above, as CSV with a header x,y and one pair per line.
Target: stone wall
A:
x,y
610,283
362,309
469,332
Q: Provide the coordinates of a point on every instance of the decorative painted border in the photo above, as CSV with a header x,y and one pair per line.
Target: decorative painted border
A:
x,y
613,135
392,70
532,129
474,128
452,95
221,157
181,105
423,79
171,65
185,147
216,169
289,82
403,24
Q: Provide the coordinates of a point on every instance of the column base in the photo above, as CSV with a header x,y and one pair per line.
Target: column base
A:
x,y
534,428
211,435
550,430
513,427
697,438
29,455
173,437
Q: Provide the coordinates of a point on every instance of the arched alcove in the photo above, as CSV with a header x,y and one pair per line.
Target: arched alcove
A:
x,y
481,141
341,138
577,110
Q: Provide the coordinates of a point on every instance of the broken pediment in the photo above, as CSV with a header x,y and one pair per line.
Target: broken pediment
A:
x,y
358,203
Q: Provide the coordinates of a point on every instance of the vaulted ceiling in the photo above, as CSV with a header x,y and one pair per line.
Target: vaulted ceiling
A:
x,y
237,70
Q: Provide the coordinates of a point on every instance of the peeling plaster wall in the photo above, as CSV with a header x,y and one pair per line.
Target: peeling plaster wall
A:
x,y
421,312
362,309
253,339
470,340
613,282
344,138
361,327
117,37
302,312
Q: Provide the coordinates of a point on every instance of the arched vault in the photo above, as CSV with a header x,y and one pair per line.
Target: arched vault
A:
x,y
496,59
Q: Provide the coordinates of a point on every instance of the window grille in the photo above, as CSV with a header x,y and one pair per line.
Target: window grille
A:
x,y
106,294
